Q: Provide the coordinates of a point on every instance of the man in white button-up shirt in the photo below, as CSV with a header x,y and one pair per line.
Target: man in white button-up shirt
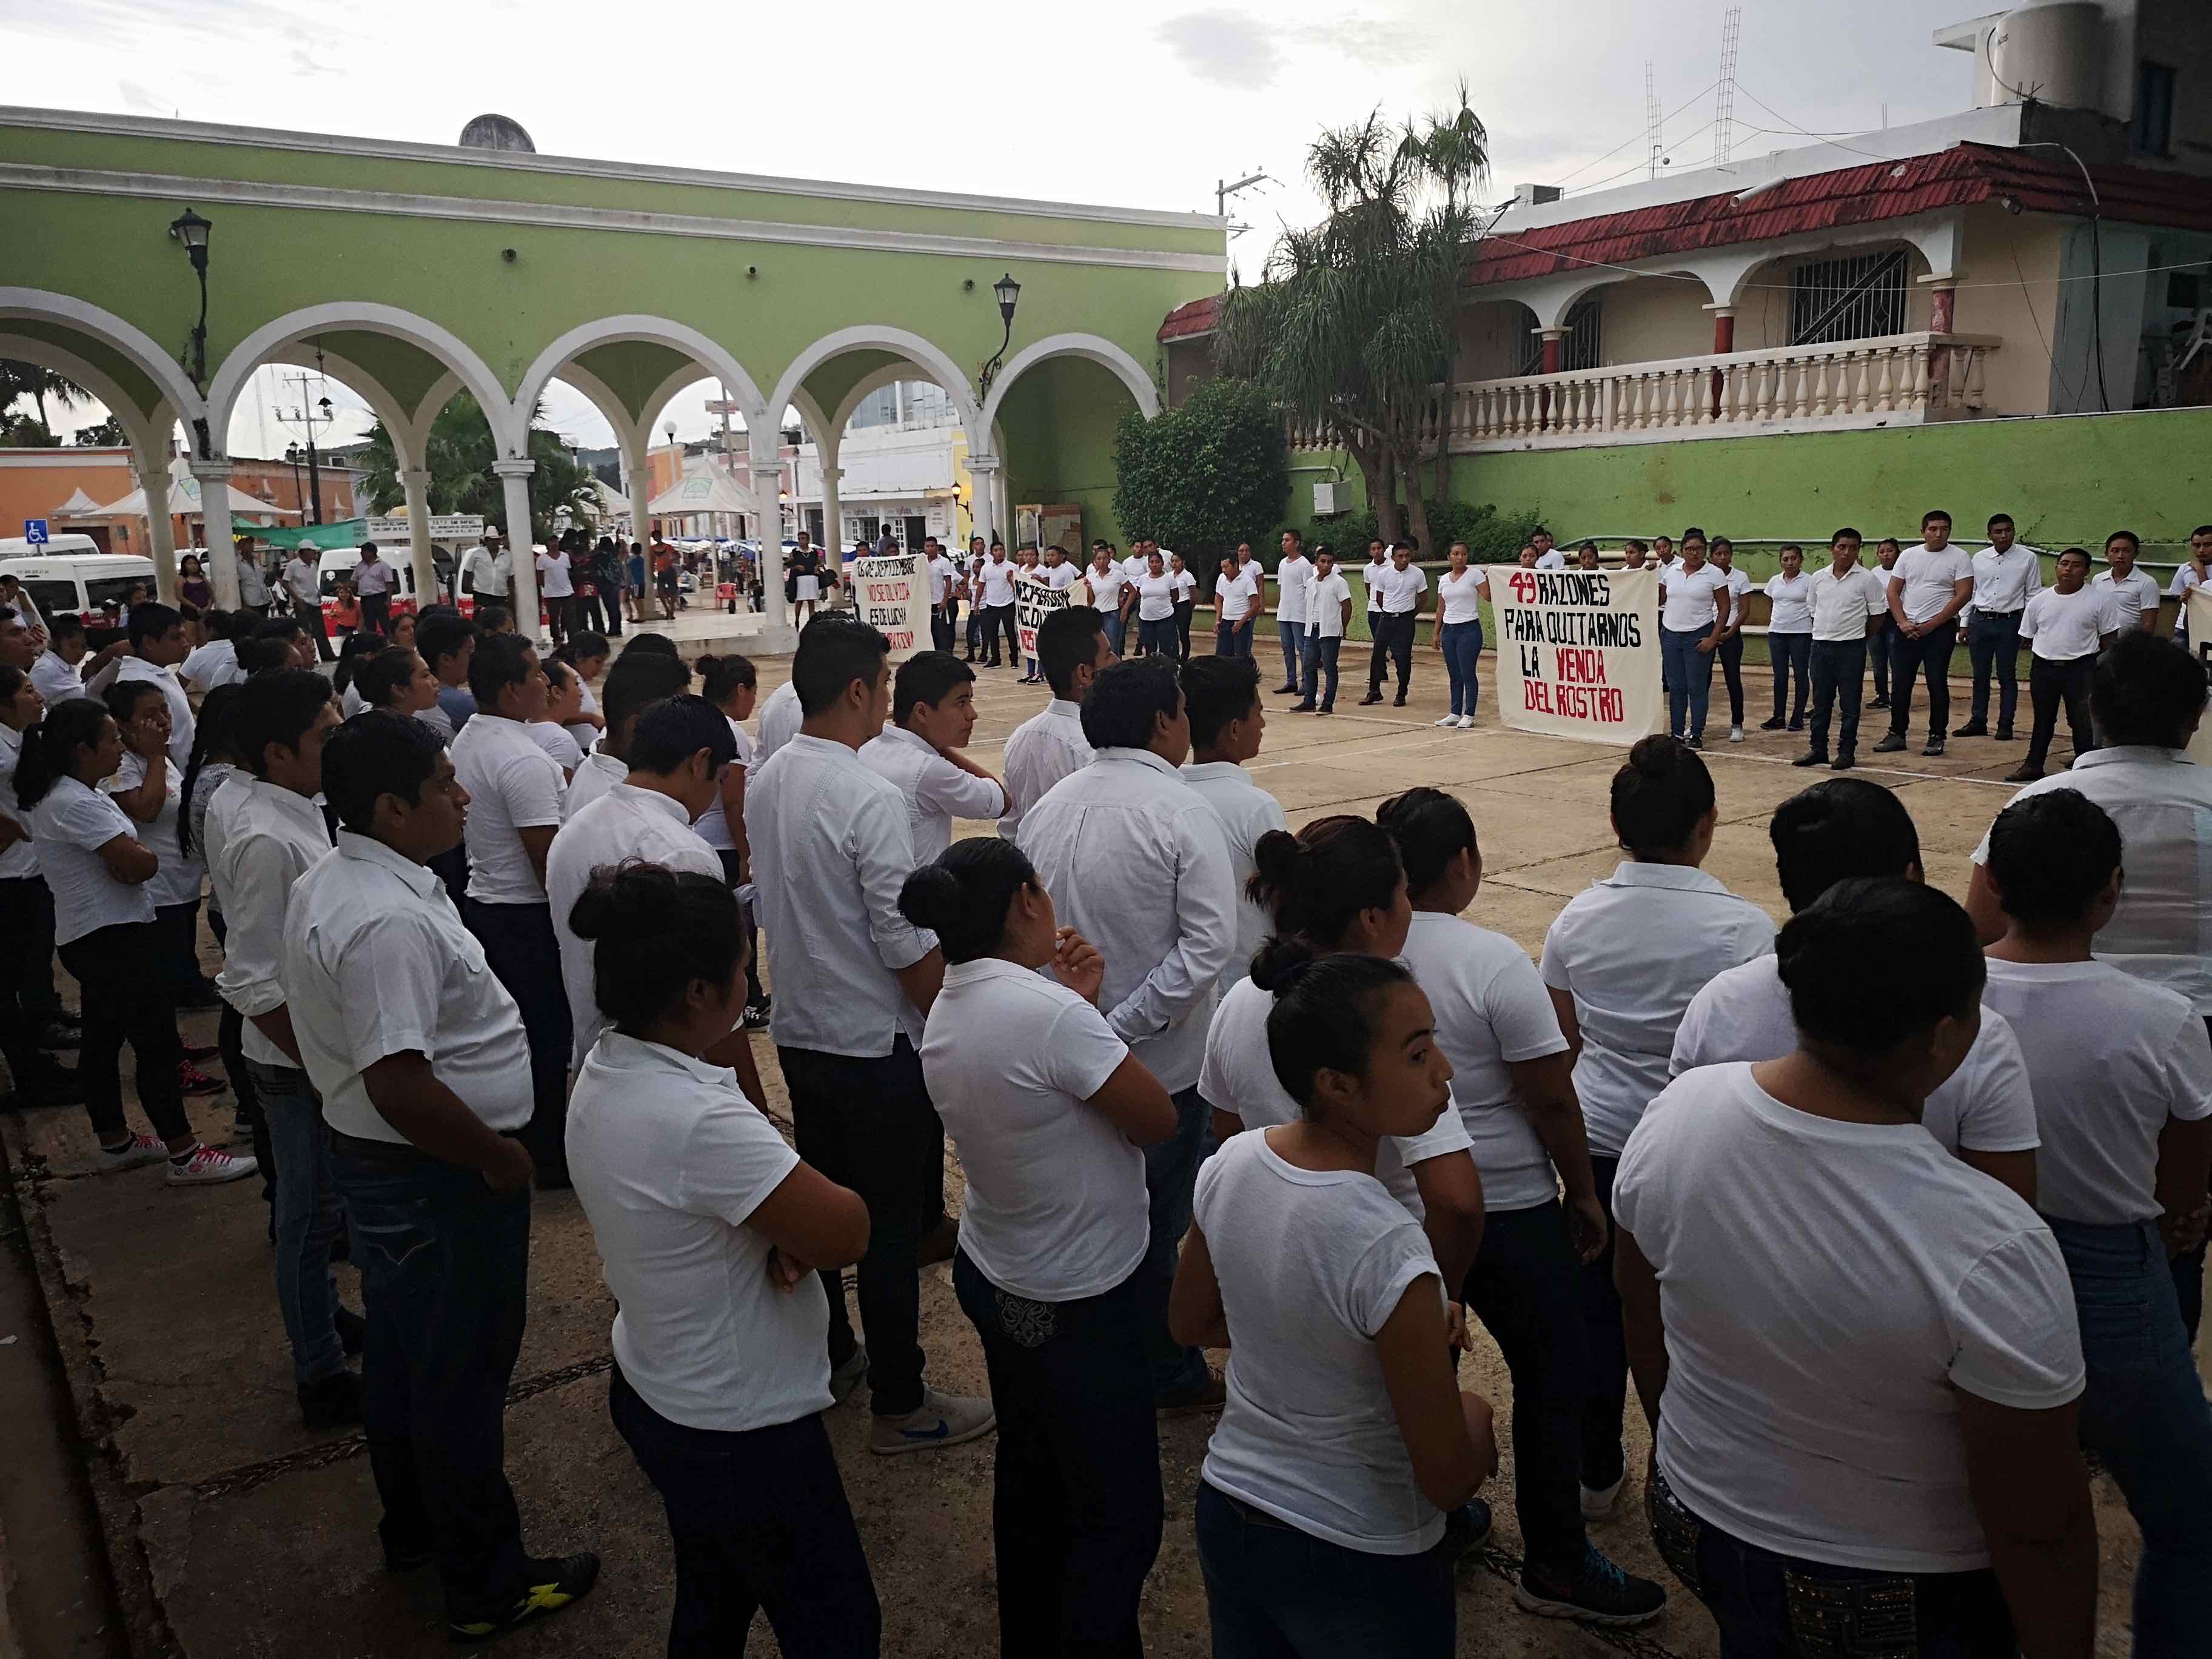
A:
x,y
853,980
1848,603
274,833
933,716
1073,649
1931,585
1222,695
2006,578
1137,862
1293,576
157,645
637,681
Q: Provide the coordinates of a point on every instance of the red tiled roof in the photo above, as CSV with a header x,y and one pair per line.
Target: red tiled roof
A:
x,y
2040,181
1187,322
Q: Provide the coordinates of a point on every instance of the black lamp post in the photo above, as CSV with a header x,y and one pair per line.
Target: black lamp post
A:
x,y
189,230
314,462
1006,291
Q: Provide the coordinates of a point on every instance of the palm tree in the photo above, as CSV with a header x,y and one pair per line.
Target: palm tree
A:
x,y
461,452
19,380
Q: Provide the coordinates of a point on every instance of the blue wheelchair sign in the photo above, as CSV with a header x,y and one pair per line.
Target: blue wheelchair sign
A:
x,y
34,531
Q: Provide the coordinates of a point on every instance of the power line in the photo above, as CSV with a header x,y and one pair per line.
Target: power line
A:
x,y
1626,143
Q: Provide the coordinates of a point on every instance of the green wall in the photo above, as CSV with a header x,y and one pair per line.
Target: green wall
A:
x,y
1059,422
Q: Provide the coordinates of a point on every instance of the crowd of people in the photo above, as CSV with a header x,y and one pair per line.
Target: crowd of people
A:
x,y
1885,1217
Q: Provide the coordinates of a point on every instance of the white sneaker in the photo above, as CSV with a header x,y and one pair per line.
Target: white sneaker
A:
x,y
844,1378
1601,1503
210,1166
1735,734
1449,720
136,1154
1467,722
941,1420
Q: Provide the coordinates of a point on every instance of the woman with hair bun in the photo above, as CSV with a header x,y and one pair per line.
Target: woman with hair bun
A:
x,y
1622,961
1322,1503
1050,1113
711,1232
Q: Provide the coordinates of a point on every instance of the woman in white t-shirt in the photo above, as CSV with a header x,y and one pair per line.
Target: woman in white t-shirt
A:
x,y
2122,1076
731,684
1158,597
710,1230
556,587
1512,1085
1460,593
1730,655
152,796
28,1004
1185,601
1049,1116
564,701
1693,615
1858,1355
1111,589
1790,638
2065,625
99,871
1344,1442
1623,961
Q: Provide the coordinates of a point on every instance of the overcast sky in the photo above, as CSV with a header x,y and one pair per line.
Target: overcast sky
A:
x,y
1144,103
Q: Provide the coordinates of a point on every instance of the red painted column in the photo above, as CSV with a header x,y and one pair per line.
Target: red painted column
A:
x,y
1723,341
1551,339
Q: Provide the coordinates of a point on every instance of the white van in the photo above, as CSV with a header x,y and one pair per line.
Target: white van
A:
x,y
339,562
71,576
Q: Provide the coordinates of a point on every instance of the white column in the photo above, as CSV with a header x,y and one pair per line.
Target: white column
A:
x,y
833,508
417,481
214,510
161,535
637,477
768,531
515,479
983,509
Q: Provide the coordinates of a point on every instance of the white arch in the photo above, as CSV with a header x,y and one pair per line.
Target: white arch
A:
x,y
715,361
111,331
630,435
439,342
1099,350
140,429
407,436
900,342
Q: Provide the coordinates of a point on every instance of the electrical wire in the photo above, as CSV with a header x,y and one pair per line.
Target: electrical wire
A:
x,y
1626,143
1601,183
1829,142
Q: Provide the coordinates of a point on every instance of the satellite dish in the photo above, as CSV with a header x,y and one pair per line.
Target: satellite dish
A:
x,y
496,132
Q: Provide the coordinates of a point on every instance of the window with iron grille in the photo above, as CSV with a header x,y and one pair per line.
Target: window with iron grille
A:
x,y
1579,347
1859,299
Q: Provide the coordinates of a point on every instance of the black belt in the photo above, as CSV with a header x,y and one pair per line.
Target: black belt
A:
x,y
1998,613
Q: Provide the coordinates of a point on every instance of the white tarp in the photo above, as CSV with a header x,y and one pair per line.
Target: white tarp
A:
x,y
184,502
709,490
892,594
1578,652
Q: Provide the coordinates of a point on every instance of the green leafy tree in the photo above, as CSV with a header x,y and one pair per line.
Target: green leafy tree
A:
x,y
461,452
1351,330
20,379
106,435
1206,476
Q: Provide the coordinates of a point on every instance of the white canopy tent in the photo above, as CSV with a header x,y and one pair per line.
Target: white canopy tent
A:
x,y
710,489
183,503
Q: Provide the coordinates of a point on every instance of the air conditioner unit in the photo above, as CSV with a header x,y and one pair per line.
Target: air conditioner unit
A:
x,y
1325,498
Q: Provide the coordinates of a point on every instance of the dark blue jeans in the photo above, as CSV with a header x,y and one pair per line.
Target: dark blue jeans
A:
x,y
1115,622
1171,1177
1232,640
520,944
1462,651
2144,1413
1993,641
1928,657
1793,661
1689,679
1605,1394
1319,663
1076,1509
445,1285
1155,639
1777,1607
307,1218
1292,635
1273,1592
759,1522
1839,675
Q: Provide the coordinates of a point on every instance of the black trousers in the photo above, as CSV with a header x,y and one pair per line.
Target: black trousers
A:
x,y
1993,642
868,1124
230,1043
445,1288
759,1522
311,619
1393,636
1182,615
1927,657
179,927
941,627
27,997
1838,674
376,614
124,999
520,945
1525,1286
2050,683
997,618
1729,655
1076,1508
1792,655
1606,1397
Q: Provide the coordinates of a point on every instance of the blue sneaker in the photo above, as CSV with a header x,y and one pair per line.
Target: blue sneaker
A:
x,y
1600,1593
1466,1527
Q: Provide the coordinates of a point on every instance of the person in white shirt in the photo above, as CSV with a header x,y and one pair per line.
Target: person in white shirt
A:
x,y
1185,601
564,705
1858,1356
556,587
1049,1118
274,833
1329,614
1112,589
1622,961
780,715
1663,556
1835,831
2135,592
515,788
1344,1444
1789,637
57,671
995,598
2195,571
149,789
854,979
731,684
1293,576
99,871
932,717
1548,556
1378,561
2122,1080
944,578
31,1024
157,645
1401,584
215,662
1721,555
303,586
252,586
1634,554
372,579
706,1224
1883,643
1848,606
1059,573
1695,605
2066,626
1929,587
1512,1086
421,1060
2006,578
1157,597
1460,593
1073,651
637,681
1226,720
1236,607
1137,862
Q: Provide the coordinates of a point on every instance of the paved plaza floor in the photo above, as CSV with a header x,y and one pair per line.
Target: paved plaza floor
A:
x,y
235,1534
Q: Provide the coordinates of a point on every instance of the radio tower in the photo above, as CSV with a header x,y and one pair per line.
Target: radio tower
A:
x,y
1651,122
1724,107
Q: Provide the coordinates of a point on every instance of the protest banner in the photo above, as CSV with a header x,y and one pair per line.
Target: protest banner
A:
x,y
1033,603
1578,652
2197,608
892,594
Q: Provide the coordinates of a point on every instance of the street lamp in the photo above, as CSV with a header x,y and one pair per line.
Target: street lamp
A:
x,y
189,230
1006,291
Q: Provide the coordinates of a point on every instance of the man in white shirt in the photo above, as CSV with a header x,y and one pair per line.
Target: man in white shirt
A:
x,y
2066,625
1226,720
1059,574
514,788
422,1062
854,979
1137,862
303,586
1789,635
215,662
252,586
1400,585
933,716
780,715
1293,576
371,579
944,578
1236,608
1929,587
997,600
2006,578
1072,650
274,834
638,680
1847,604
1548,556
58,672
1329,613
157,645
2136,591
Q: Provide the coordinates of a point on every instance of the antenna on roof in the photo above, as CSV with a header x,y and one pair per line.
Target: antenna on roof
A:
x,y
1724,106
1651,122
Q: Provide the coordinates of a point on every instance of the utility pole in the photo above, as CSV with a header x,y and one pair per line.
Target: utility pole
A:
x,y
307,415
1223,189
724,407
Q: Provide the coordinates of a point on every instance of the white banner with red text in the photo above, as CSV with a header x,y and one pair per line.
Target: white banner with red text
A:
x,y
892,594
1578,652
